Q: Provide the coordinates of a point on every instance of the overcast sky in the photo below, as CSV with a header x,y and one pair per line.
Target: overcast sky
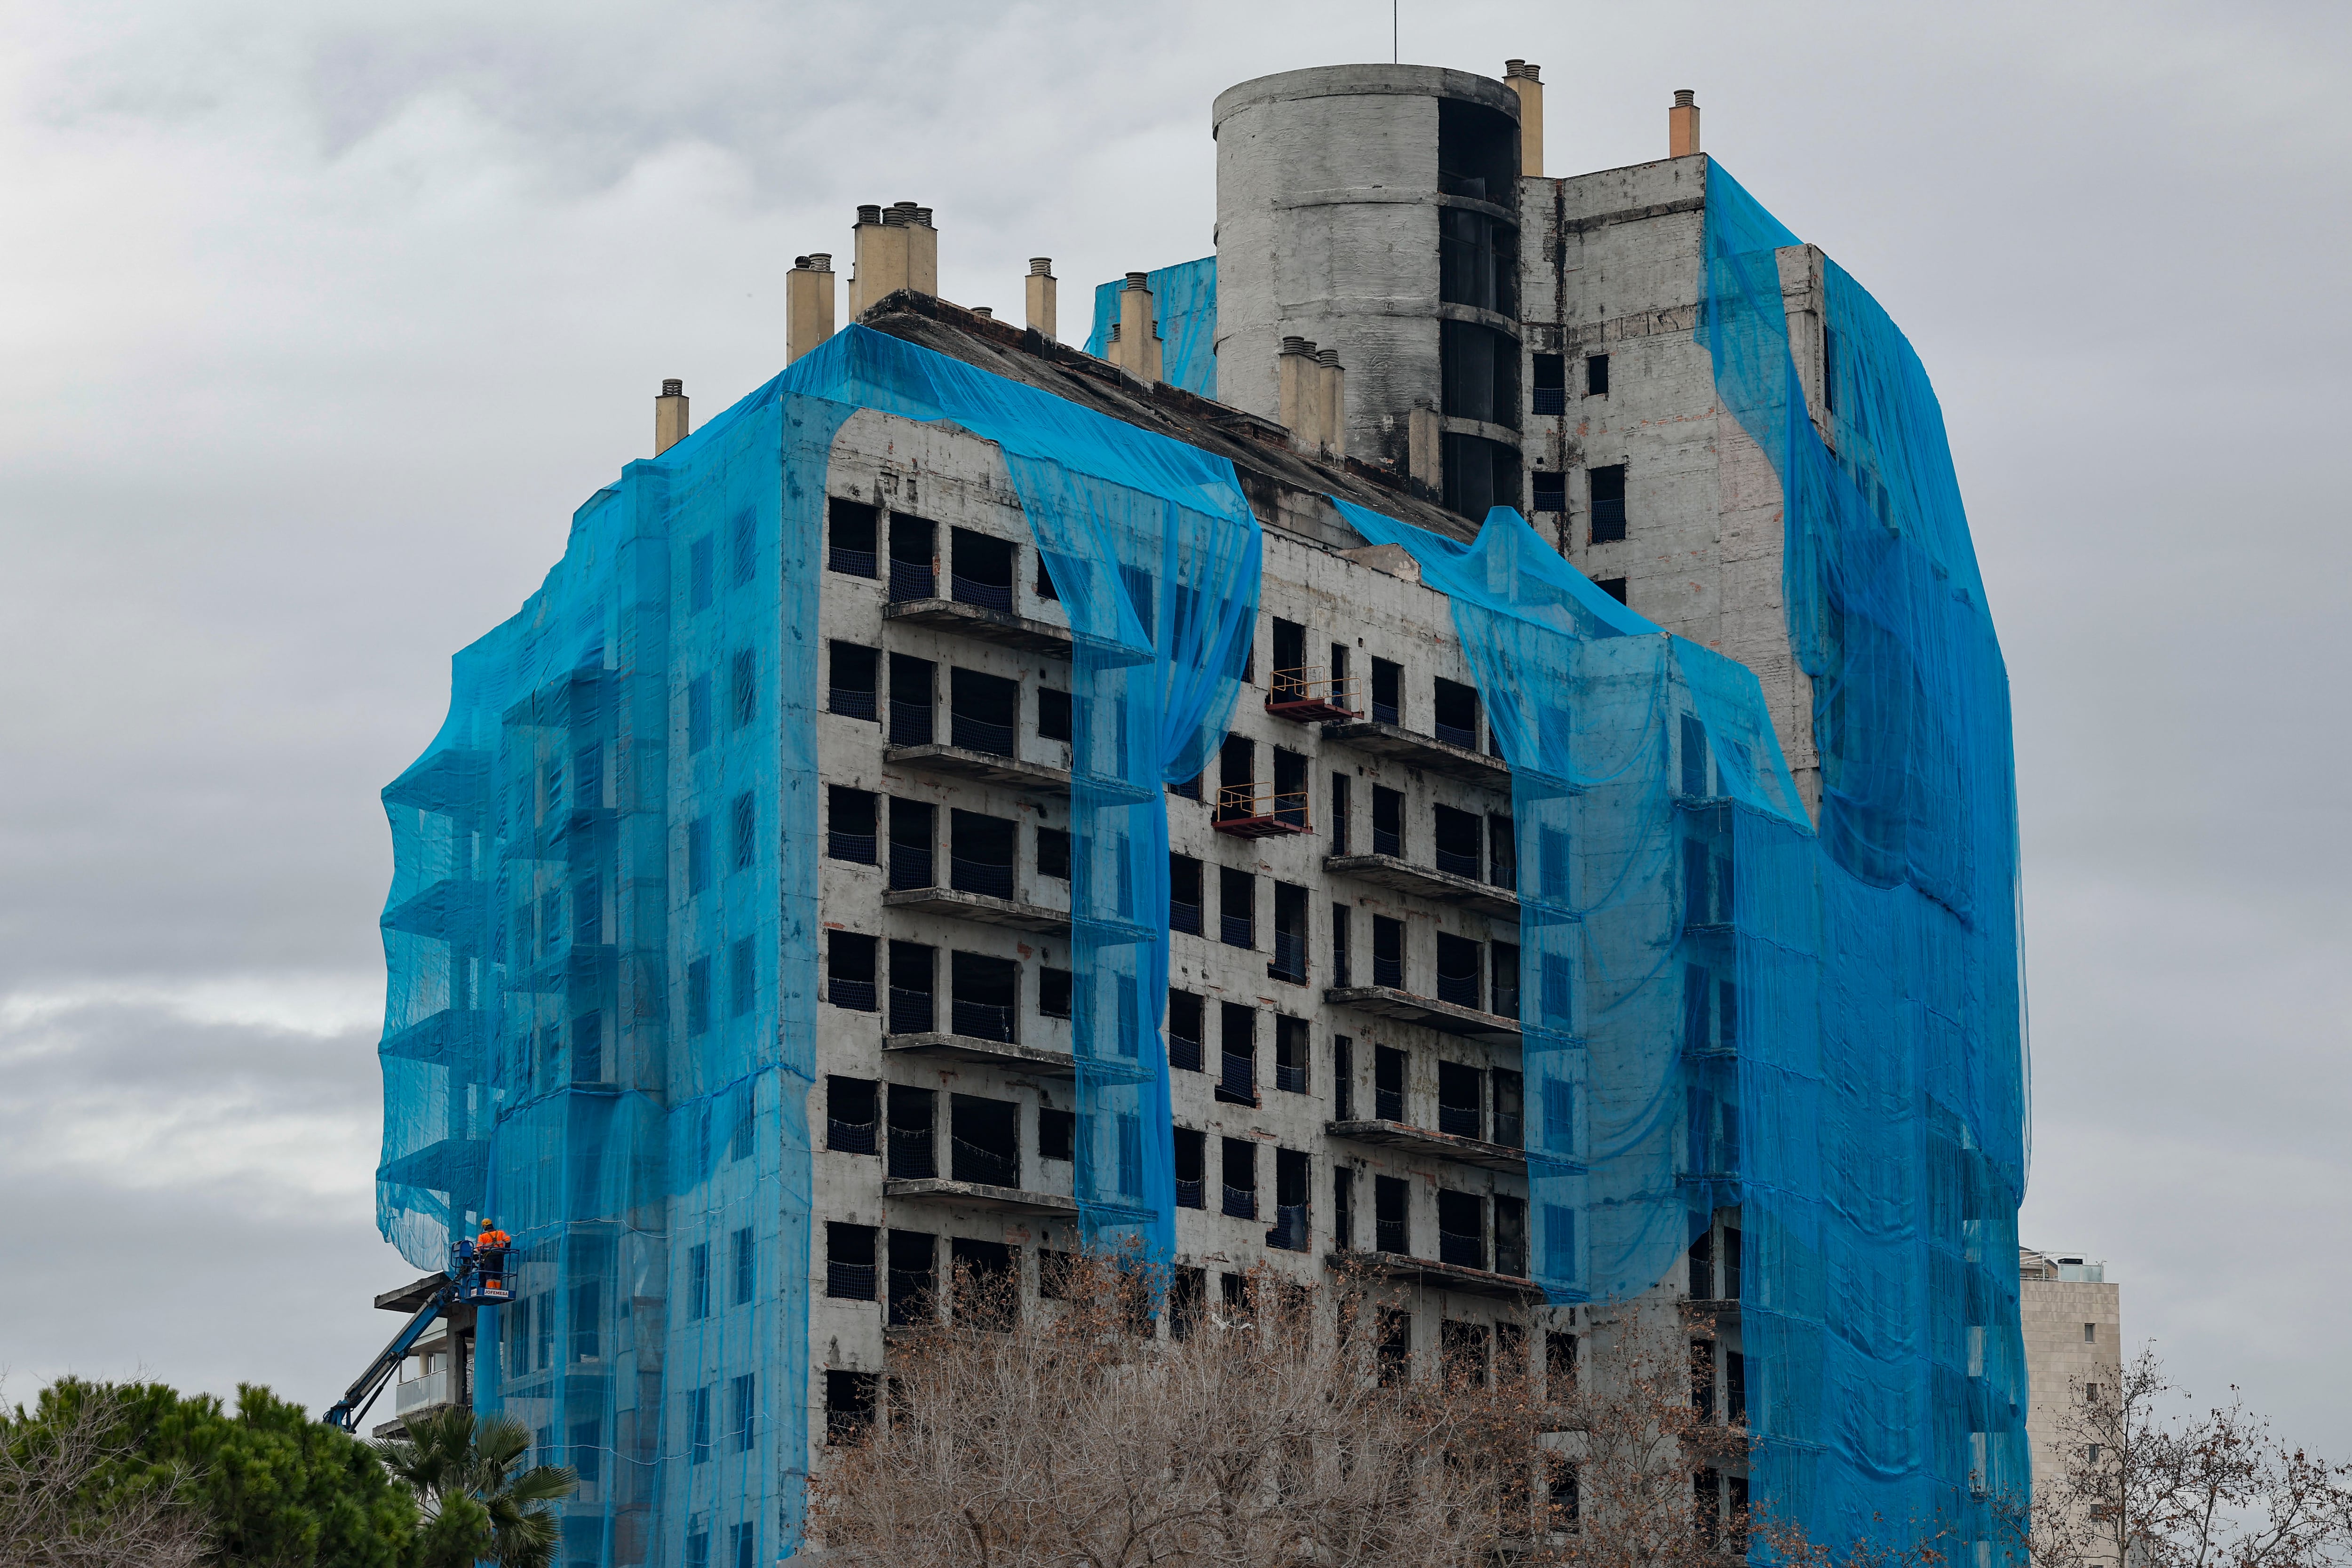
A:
x,y
320,319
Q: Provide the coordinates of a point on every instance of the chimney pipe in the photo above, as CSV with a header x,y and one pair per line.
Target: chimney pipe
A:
x,y
670,424
808,304
1042,287
1299,375
1681,125
896,247
1527,80
1334,396
1139,336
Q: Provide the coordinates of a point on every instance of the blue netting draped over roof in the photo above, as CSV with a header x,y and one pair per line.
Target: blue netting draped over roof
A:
x,y
1184,303
601,937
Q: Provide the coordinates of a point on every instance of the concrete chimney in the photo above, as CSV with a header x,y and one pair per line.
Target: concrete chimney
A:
x,y
808,304
1681,125
1298,375
1526,81
1332,390
670,425
1043,287
1139,336
896,247
1425,449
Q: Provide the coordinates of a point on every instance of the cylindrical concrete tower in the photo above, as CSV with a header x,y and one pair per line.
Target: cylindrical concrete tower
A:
x,y
1374,209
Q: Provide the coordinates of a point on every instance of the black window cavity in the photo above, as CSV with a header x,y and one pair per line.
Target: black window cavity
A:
x,y
1184,1031
1550,486
1387,686
912,697
851,817
1054,853
914,984
913,574
849,971
1053,991
851,527
1053,714
980,569
983,711
852,1114
1236,908
1550,387
850,684
1289,934
985,993
1607,503
1237,1054
912,828
979,854
1184,894
1596,375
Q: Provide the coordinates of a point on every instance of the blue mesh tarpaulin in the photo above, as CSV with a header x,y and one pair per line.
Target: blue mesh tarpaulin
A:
x,y
1184,301
1726,1007
601,937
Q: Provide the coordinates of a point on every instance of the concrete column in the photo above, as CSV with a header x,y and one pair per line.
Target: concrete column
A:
x,y
1138,338
1524,79
1426,450
808,304
1682,124
1042,289
670,423
1332,392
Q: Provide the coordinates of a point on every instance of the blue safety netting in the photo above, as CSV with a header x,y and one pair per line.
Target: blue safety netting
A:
x,y
1184,305
1726,1008
601,939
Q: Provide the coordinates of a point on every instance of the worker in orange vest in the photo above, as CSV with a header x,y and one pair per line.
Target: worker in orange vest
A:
x,y
490,1254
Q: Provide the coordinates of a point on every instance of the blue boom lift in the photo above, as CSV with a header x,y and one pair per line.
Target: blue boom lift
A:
x,y
477,1277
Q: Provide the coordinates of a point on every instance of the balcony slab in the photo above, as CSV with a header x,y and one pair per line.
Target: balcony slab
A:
x,y
1437,1145
1427,882
978,1195
1388,1001
988,1053
957,904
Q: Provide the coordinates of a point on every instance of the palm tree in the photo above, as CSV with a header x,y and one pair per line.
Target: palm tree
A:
x,y
477,1507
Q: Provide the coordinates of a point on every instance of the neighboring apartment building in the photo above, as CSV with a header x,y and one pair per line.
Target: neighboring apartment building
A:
x,y
976,800
2073,1322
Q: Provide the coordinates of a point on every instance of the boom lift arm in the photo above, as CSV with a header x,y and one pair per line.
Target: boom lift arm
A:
x,y
475,1279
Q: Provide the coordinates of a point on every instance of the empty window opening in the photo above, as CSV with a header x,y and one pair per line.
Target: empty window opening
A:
x,y
850,816
1464,1352
849,972
849,1262
1388,1083
983,712
1510,1235
1184,894
1387,686
913,824
1391,1199
849,684
1461,1229
1192,1153
1290,1053
1550,386
1456,715
1342,919
850,530
1053,714
1293,1172
1607,503
914,981
1509,1087
979,854
913,558
980,569
1053,991
986,1282
1596,375
1289,934
1237,1054
1336,819
1458,971
914,1276
849,1399
1240,1167
984,1141
852,1110
1188,1301
1502,853
1388,821
1343,1206
1396,1342
1290,788
1551,491
1184,1031
1343,1077
1612,586
985,994
1236,908
913,696
1054,854
1458,846
1461,1100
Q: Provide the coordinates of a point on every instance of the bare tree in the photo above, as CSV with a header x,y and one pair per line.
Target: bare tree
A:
x,y
2127,1481
1293,1429
68,1500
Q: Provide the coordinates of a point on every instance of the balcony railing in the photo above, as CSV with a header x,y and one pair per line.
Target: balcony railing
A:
x,y
914,1155
1458,1121
1460,990
970,1162
430,1388
1387,841
987,596
1241,1202
848,1137
981,877
1258,811
1310,694
1455,863
911,1012
1383,713
849,702
1460,1251
983,1020
858,996
1187,1194
855,846
910,867
980,735
910,723
1289,1232
1388,971
909,581
849,1281
1465,737
1388,1104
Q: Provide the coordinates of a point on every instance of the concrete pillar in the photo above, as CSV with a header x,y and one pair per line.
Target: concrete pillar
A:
x,y
1332,393
1682,124
670,423
808,304
1526,81
1426,449
1138,340
1042,289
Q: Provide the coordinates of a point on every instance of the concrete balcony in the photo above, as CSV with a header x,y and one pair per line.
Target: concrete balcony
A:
x,y
1424,751
999,626
1437,1276
1429,1141
1446,1017
986,767
982,1052
955,904
978,1195
1427,882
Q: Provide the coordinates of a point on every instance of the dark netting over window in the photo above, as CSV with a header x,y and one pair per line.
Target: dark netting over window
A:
x,y
571,871
1723,1005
